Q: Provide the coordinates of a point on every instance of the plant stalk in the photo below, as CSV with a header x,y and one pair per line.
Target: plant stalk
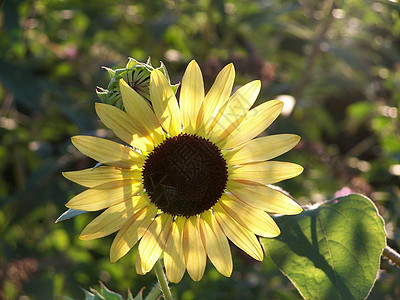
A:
x,y
162,279
391,255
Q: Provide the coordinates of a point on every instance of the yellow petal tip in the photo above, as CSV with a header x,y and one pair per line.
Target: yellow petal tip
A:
x,y
113,259
84,237
256,84
295,209
296,138
278,232
156,73
279,102
123,83
300,170
77,139
100,106
115,254
231,67
300,209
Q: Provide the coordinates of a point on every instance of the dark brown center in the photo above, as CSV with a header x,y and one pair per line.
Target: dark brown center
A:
x,y
185,175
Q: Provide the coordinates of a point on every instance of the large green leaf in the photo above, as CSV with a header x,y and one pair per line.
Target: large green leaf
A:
x,y
332,250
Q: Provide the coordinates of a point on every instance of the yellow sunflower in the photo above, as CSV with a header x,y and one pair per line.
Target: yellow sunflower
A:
x,y
189,177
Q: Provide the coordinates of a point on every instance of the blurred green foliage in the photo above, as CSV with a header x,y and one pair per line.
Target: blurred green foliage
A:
x,y
340,60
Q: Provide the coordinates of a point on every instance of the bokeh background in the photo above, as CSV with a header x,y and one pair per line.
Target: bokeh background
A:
x,y
338,60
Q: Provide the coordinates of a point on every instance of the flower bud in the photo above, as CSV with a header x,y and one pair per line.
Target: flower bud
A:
x,y
137,75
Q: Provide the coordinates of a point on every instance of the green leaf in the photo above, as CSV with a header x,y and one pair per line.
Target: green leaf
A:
x,y
332,250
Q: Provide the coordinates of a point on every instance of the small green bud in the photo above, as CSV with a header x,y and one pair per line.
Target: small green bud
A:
x,y
137,75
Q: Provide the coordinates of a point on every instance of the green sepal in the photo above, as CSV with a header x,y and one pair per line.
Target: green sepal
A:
x,y
93,295
139,296
106,294
109,295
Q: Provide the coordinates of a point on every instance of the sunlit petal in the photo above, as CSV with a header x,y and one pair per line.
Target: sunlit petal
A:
x,y
153,242
236,107
266,172
254,219
174,260
103,174
140,110
191,97
262,148
131,232
265,198
255,122
193,249
108,152
164,103
216,244
215,98
105,195
113,218
239,235
124,127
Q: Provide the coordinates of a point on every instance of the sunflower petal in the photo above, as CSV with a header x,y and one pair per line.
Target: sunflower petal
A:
x,y
237,105
105,195
108,152
141,111
216,244
265,198
152,243
103,174
262,148
191,96
113,218
254,219
131,232
255,122
239,235
193,249
124,126
265,172
173,255
216,97
164,103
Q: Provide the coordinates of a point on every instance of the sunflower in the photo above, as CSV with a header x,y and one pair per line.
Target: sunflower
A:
x,y
188,177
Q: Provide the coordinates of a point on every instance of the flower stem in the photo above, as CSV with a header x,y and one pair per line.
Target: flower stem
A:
x,y
162,279
392,255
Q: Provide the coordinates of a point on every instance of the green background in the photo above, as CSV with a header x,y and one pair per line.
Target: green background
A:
x,y
340,60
